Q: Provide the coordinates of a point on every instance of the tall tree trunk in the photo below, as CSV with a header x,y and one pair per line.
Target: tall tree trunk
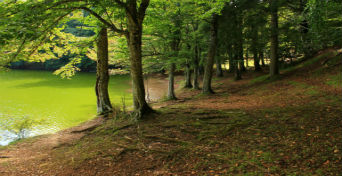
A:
x,y
237,66
247,55
219,72
240,43
274,66
304,29
211,56
255,48
104,106
133,36
171,92
175,32
196,67
231,59
188,72
187,76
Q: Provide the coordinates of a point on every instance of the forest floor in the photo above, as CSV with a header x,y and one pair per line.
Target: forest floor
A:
x,y
287,126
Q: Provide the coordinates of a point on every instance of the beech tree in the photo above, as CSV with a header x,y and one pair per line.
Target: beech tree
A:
x,y
104,105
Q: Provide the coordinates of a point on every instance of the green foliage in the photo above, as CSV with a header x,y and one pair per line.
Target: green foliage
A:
x,y
325,22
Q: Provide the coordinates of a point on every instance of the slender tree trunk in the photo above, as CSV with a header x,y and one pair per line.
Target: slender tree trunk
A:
x,y
211,56
196,67
304,29
231,59
219,72
237,67
247,55
274,66
104,106
133,36
187,76
171,92
255,48
240,43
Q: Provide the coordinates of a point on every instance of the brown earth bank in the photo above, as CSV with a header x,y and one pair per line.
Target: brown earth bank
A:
x,y
287,126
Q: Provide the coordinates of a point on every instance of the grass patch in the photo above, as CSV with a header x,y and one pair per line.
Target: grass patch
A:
x,y
309,90
308,62
259,79
335,80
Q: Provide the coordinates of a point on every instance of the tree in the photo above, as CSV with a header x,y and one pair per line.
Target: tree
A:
x,y
274,65
135,16
208,69
102,76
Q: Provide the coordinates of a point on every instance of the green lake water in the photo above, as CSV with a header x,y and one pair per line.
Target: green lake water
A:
x,y
56,103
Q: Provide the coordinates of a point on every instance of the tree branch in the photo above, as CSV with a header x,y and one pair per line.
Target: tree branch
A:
x,y
63,2
96,15
142,9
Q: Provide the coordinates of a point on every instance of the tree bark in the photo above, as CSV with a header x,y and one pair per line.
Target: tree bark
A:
x,y
231,59
187,76
196,67
133,36
208,71
237,67
219,72
104,105
274,65
255,48
240,43
171,93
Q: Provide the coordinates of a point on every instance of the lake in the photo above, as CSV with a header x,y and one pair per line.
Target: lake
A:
x,y
51,102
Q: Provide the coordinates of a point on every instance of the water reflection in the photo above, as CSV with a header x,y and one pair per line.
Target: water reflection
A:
x,y
6,137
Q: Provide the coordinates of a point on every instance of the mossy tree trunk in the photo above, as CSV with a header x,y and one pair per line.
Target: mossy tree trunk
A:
x,y
135,19
104,105
208,71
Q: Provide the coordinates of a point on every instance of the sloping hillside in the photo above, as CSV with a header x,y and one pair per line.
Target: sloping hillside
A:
x,y
257,126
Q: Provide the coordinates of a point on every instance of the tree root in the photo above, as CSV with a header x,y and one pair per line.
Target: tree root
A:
x,y
85,130
172,140
4,157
